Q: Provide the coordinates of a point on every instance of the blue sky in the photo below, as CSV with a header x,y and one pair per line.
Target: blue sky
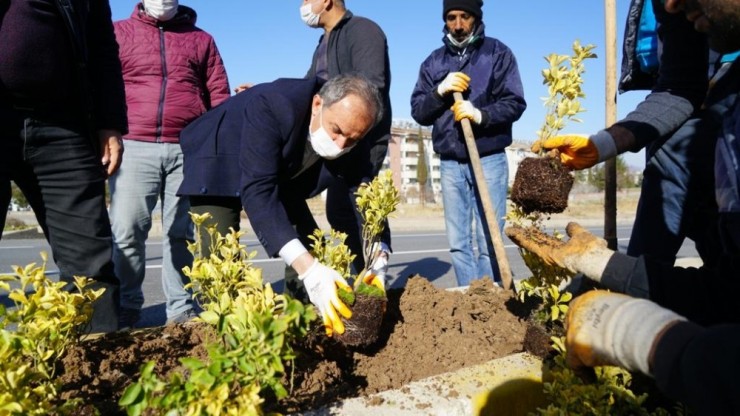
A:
x,y
264,40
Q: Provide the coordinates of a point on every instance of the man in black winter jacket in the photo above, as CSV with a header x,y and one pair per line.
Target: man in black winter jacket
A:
x,y
62,113
352,44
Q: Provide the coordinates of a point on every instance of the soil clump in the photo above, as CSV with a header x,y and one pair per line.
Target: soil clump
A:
x,y
363,329
542,184
426,331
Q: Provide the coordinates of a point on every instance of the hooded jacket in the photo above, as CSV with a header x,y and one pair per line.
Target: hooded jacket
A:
x,y
173,73
495,89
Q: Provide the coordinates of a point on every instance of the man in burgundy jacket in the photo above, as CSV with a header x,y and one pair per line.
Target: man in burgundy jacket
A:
x,y
173,73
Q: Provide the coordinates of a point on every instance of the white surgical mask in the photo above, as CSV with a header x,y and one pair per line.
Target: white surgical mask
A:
x,y
322,143
461,44
309,17
162,10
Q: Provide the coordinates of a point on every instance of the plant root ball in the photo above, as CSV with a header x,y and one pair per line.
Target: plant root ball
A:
x,y
363,328
542,184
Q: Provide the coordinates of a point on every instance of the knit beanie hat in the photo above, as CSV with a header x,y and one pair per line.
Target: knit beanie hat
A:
x,y
473,7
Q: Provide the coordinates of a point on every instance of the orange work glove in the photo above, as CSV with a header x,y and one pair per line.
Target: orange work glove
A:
x,y
581,152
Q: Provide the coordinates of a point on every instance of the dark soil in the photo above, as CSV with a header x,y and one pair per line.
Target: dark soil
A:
x,y
426,331
363,329
542,184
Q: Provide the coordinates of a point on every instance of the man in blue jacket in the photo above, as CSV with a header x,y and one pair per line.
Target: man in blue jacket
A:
x,y
485,70
278,144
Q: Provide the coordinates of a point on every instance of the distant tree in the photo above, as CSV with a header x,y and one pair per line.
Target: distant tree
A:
x,y
595,176
17,196
422,171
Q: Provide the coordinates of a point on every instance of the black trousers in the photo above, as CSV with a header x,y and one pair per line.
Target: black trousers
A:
x,y
225,213
59,171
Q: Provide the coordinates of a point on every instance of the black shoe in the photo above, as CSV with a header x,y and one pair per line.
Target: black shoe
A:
x,y
127,318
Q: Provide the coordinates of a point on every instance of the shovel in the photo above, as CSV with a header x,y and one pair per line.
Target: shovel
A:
x,y
489,211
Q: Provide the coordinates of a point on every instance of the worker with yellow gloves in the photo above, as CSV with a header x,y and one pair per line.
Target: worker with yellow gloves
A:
x,y
695,365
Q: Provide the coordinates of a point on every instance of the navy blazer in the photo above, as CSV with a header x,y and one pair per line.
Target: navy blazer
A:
x,y
252,146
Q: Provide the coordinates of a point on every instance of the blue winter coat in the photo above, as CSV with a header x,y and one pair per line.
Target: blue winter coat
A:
x,y
495,89
252,146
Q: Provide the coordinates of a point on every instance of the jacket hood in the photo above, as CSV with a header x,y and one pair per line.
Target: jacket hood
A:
x,y
479,32
185,16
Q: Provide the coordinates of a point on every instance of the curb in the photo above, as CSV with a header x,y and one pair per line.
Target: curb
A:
x,y
509,385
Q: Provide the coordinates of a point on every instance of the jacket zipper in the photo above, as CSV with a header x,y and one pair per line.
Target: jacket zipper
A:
x,y
160,108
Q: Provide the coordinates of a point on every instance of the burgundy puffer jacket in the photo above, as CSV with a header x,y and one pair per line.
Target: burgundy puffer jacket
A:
x,y
172,71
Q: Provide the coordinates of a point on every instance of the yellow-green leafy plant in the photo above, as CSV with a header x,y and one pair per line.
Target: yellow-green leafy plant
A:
x,y
376,201
47,320
608,394
563,78
255,326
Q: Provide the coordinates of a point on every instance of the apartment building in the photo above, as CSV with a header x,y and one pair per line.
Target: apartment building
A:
x,y
404,152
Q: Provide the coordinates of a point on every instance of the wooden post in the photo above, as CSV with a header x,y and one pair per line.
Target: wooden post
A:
x,y
610,167
488,209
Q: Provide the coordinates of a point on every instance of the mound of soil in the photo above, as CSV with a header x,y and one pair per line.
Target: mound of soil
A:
x,y
426,331
541,184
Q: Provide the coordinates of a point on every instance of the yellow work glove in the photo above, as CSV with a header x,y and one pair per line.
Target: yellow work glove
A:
x,y
581,152
321,284
453,82
606,328
465,109
583,253
375,276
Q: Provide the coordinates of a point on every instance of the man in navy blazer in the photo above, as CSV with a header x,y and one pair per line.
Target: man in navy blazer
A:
x,y
275,145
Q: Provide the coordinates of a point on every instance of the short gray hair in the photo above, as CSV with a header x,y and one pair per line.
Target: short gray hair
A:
x,y
340,86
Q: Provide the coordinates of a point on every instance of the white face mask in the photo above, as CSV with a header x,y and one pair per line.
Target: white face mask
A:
x,y
463,43
322,143
309,17
162,10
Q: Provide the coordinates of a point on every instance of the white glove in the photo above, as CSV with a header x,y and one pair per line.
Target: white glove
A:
x,y
375,276
606,328
321,284
453,82
465,109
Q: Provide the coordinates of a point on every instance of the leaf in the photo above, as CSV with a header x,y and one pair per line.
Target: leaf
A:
x,y
133,394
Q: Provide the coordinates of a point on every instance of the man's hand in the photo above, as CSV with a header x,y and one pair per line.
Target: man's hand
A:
x,y
583,253
111,146
243,87
453,82
321,284
465,109
605,328
375,276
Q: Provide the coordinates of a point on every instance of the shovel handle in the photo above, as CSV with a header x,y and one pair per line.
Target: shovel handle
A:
x,y
488,209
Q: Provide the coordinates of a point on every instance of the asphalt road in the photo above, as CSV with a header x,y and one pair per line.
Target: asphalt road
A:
x,y
425,253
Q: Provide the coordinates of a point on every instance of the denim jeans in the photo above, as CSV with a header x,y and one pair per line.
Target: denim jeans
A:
x,y
60,173
151,171
462,203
